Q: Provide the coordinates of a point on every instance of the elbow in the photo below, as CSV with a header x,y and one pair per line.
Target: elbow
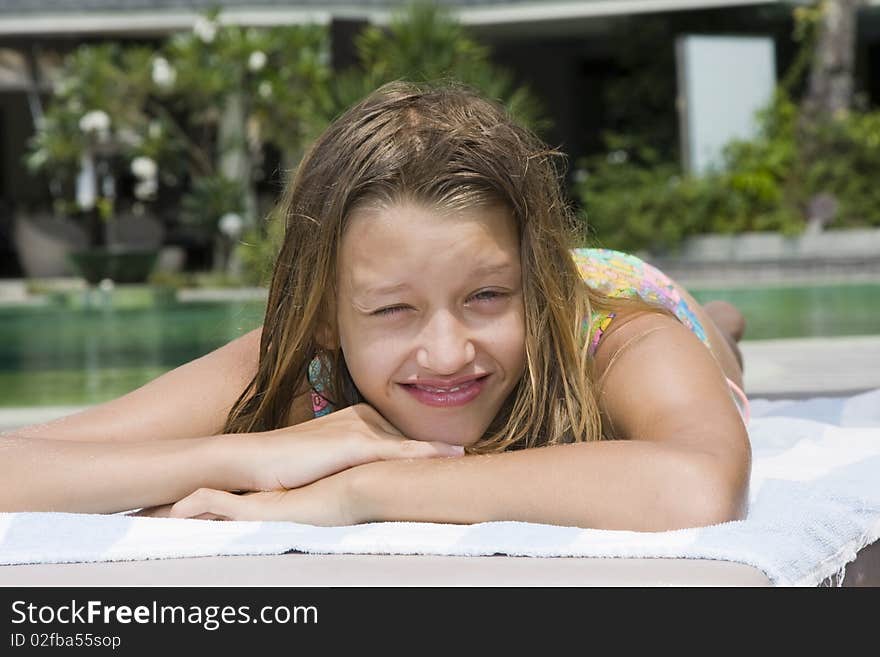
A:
x,y
716,507
719,494
716,492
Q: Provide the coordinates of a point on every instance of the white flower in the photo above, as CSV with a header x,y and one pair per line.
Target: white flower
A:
x,y
164,74
618,157
231,224
265,89
205,29
144,168
96,121
146,189
39,158
257,60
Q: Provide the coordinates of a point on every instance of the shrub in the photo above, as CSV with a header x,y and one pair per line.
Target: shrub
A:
x,y
631,199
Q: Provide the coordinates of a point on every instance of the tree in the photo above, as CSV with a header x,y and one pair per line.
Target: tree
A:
x,y
830,90
425,43
188,121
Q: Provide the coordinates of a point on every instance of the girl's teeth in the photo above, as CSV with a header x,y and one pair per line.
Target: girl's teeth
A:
x,y
429,389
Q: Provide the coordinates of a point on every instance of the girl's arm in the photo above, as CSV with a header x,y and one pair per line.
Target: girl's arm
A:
x,y
63,475
160,443
41,474
682,459
147,447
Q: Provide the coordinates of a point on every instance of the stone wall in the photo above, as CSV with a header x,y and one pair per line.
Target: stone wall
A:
x,y
852,254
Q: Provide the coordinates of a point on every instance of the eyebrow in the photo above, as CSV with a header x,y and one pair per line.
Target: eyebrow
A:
x,y
483,270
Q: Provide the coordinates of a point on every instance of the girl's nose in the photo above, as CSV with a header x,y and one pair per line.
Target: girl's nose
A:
x,y
446,347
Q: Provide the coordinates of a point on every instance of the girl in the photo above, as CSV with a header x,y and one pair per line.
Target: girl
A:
x,y
433,351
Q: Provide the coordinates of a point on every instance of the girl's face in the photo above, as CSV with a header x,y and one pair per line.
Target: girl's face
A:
x,y
430,316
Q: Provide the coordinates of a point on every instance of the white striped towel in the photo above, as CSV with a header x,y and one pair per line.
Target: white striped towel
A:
x,y
814,503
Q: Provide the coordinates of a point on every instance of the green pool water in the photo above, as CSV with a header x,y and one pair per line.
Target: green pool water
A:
x,y
803,312
58,356
69,356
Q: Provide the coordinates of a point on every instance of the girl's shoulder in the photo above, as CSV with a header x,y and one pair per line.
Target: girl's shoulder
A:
x,y
658,358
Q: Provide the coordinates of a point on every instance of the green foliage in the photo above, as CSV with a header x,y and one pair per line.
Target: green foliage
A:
x,y
282,73
259,248
632,199
636,99
209,198
424,43
166,104
794,160
845,159
106,78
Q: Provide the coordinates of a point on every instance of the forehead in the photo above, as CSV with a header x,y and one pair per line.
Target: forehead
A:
x,y
405,241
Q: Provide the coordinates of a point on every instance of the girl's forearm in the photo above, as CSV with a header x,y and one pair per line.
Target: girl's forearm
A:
x,y
633,485
62,475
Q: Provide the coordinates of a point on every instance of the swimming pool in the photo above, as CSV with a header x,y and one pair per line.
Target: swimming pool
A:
x,y
59,356
804,311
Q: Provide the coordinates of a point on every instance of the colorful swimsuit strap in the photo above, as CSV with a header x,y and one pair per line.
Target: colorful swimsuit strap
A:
x,y
595,328
318,382
618,274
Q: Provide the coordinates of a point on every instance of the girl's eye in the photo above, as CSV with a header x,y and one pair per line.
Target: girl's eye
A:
x,y
485,295
390,310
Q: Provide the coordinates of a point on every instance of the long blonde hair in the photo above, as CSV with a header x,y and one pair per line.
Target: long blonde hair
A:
x,y
447,147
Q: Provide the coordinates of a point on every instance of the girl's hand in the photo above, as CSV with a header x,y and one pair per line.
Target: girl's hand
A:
x,y
326,502
295,456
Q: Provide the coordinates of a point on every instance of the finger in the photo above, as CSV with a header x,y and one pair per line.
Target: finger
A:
x,y
367,412
153,511
209,516
445,449
209,503
414,449
387,427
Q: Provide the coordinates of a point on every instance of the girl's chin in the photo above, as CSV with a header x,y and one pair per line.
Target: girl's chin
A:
x,y
449,435
463,430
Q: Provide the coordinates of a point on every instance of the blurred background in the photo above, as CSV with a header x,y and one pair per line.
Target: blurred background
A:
x,y
144,143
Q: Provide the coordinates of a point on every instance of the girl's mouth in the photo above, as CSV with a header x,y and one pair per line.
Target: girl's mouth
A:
x,y
457,395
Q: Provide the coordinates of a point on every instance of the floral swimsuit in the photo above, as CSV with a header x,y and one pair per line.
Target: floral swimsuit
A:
x,y
614,274
617,274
